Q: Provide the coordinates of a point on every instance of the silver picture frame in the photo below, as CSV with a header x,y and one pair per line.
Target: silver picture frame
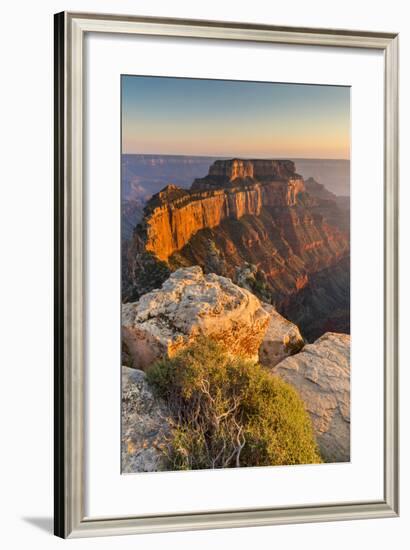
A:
x,y
69,472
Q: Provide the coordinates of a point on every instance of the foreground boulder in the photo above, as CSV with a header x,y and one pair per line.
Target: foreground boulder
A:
x,y
321,374
145,425
190,304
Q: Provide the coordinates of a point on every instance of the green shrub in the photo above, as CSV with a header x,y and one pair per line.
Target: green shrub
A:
x,y
229,412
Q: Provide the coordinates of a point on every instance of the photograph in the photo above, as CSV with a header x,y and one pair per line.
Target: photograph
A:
x,y
235,274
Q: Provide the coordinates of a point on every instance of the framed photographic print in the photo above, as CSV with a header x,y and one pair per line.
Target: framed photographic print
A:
x,y
226,203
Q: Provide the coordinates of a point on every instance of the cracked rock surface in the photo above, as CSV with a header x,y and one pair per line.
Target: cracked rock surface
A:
x,y
145,425
321,374
187,305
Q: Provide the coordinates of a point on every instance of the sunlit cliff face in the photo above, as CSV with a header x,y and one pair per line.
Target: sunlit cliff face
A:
x,y
258,169
232,189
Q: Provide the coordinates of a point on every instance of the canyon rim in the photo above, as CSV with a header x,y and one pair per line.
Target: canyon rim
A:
x,y
235,274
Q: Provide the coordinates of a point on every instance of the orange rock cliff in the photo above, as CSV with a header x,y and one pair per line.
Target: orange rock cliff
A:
x,y
254,222
232,189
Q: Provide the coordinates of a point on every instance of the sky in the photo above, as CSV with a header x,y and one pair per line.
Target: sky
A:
x,y
184,116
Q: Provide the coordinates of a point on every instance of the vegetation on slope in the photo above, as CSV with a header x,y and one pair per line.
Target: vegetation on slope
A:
x,y
229,412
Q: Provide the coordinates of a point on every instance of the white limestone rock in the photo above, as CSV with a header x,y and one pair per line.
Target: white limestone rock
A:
x,y
190,304
321,374
145,425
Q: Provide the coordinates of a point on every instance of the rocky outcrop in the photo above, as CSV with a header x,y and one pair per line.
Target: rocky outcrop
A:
x,y
145,425
321,374
190,304
228,171
169,226
232,190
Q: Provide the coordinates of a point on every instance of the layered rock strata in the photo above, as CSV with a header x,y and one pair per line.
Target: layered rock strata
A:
x,y
230,172
232,189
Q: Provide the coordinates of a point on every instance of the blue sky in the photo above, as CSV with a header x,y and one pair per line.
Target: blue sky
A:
x,y
234,118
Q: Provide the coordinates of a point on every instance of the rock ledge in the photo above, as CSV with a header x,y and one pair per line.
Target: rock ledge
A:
x,y
321,374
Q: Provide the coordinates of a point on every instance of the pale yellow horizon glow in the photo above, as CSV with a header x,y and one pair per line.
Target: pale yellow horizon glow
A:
x,y
234,119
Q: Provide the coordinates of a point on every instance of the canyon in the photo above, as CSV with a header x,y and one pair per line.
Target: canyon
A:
x,y
260,224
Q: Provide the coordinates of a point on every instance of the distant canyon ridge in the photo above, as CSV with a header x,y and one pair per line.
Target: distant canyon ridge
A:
x,y
283,236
